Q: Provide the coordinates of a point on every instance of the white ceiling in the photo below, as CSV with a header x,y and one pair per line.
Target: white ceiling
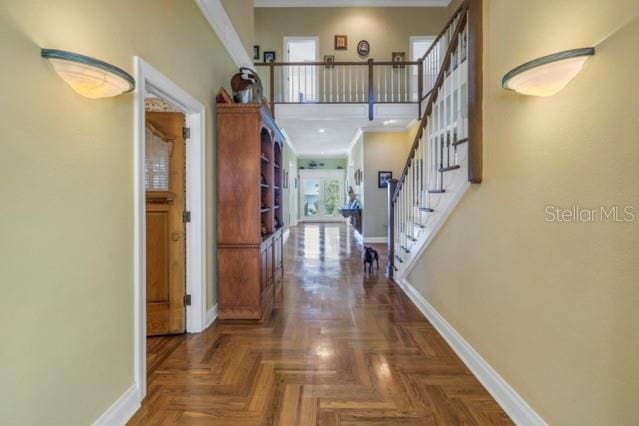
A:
x,y
351,3
327,131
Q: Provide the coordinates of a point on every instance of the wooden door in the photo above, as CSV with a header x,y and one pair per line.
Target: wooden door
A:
x,y
166,235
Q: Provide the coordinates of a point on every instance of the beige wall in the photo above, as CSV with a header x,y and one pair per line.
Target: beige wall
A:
x,y
66,216
386,29
288,158
354,162
240,13
382,151
553,307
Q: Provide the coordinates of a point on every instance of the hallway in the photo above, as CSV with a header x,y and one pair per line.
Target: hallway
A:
x,y
344,348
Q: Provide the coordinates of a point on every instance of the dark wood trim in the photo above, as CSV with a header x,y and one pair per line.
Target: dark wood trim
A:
x,y
390,263
420,87
441,34
475,91
344,103
272,88
371,94
449,168
375,63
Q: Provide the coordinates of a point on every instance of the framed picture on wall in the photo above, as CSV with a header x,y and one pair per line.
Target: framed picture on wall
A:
x,y
363,48
256,53
269,56
399,57
383,178
341,42
329,60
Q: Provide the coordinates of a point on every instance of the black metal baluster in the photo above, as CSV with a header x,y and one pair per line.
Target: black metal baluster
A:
x,y
455,159
441,163
448,149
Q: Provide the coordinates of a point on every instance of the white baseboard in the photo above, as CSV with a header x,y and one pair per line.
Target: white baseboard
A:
x,y
512,403
375,240
211,316
122,409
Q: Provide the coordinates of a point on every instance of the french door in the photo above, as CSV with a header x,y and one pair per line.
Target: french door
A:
x,y
321,195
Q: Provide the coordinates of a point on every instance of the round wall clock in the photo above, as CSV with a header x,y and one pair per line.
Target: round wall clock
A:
x,y
363,48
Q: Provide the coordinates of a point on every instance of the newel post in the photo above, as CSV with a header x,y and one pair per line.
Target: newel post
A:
x,y
475,90
390,232
371,95
420,87
271,90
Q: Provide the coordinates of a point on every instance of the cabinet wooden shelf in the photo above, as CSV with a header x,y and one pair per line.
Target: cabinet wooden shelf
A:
x,y
250,266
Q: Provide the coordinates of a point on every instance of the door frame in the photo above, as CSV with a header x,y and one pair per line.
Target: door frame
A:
x,y
338,174
287,39
150,81
413,80
293,198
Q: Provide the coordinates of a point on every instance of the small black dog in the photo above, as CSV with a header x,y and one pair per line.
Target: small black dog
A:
x,y
369,255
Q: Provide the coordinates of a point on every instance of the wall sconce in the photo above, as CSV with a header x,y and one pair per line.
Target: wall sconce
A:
x,y
547,75
89,77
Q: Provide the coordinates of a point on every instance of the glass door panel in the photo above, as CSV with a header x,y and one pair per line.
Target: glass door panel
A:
x,y
331,198
311,197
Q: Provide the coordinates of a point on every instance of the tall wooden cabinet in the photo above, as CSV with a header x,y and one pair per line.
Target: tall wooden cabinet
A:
x,y
249,213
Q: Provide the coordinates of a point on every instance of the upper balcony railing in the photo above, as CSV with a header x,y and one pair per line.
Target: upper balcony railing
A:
x,y
366,82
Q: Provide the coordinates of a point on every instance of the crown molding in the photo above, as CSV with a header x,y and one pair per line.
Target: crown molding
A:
x,y
351,3
356,136
221,23
289,142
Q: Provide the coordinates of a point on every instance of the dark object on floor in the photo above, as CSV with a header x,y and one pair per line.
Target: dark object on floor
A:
x,y
370,255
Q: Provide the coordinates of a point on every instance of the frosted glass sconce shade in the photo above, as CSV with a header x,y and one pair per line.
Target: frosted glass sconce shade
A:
x,y
548,75
89,77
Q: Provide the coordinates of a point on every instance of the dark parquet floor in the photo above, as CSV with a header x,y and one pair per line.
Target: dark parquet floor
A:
x,y
344,348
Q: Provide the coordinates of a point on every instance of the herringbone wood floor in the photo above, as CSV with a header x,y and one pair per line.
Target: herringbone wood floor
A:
x,y
345,348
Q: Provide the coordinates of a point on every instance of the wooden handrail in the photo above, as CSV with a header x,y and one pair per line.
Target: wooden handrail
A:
x,y
463,6
441,76
364,63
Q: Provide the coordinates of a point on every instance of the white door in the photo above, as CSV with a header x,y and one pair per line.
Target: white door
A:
x,y
301,80
321,195
418,47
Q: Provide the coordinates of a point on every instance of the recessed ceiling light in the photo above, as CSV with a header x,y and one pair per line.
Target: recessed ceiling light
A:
x,y
322,130
387,122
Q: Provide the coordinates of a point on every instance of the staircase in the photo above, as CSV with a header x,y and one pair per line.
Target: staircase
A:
x,y
446,153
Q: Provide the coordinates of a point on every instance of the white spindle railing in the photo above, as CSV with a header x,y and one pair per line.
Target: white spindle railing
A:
x,y
340,82
439,154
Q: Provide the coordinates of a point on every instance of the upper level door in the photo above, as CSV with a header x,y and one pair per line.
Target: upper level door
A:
x,y
301,83
419,45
